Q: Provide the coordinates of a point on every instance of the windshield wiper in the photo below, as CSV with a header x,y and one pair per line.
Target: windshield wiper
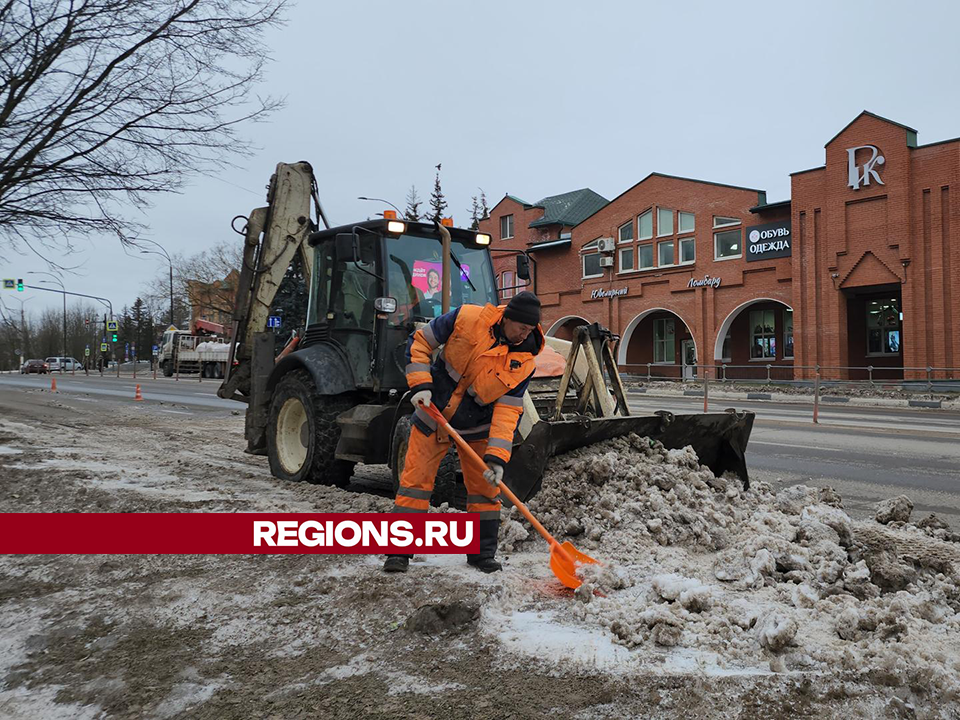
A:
x,y
459,267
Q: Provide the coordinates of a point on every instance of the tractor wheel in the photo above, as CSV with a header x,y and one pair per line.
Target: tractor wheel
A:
x,y
167,368
302,433
448,487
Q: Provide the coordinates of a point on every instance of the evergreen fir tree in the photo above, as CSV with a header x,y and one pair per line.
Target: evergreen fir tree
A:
x,y
412,211
290,302
484,210
474,214
438,202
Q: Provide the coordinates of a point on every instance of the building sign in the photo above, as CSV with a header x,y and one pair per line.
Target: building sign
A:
x,y
859,175
707,281
603,293
768,241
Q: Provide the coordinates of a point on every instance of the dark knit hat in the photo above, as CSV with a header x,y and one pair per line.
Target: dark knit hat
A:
x,y
524,307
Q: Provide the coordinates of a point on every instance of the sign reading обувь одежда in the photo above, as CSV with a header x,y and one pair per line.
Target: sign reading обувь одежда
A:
x,y
769,241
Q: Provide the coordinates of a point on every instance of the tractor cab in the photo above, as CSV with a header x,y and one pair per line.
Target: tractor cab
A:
x,y
373,281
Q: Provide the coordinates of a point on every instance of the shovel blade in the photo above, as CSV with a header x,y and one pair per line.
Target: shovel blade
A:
x,y
564,560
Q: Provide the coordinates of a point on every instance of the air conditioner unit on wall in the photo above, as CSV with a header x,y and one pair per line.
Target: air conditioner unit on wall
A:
x,y
606,262
605,245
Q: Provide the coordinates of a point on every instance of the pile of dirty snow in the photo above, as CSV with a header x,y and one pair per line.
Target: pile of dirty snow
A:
x,y
755,580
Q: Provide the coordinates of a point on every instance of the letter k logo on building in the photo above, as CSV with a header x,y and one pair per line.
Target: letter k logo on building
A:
x,y
856,177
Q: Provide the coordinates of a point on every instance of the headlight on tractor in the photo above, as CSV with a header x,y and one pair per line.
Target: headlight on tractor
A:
x,y
395,226
483,239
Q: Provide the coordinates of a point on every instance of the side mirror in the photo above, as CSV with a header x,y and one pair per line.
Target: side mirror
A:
x,y
347,247
523,267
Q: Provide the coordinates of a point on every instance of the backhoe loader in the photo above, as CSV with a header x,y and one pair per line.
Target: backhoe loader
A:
x,y
340,398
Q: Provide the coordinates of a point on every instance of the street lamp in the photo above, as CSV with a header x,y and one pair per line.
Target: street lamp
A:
x,y
64,291
399,214
164,253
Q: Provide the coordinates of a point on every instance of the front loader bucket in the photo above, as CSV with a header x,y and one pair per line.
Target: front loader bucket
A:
x,y
719,439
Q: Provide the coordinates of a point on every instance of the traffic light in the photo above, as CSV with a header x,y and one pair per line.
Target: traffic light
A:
x,y
113,337
19,284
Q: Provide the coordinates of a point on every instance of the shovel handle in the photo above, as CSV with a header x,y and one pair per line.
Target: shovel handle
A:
x,y
470,453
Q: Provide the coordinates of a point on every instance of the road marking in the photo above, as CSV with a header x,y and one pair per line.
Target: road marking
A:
x,y
175,412
802,447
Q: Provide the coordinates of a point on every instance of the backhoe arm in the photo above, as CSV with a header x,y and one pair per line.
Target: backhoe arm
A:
x,y
271,237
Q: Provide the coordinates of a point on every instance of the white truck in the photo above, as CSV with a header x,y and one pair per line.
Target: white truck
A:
x,y
183,353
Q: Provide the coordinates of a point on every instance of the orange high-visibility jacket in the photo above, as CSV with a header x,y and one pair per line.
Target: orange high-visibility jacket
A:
x,y
477,379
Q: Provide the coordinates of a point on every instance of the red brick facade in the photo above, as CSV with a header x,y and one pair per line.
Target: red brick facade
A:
x,y
858,256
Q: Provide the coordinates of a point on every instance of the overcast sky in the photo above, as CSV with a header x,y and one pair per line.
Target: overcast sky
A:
x,y
538,98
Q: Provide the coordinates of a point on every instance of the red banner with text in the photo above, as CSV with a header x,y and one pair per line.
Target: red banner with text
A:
x,y
238,533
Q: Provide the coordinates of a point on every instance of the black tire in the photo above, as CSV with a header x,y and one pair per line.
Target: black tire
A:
x,y
167,368
448,487
321,434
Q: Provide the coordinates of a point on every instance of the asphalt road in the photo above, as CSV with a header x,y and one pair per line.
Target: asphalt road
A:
x,y
186,395
866,454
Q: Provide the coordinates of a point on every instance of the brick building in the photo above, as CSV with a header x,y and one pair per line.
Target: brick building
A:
x,y
211,304
519,225
855,270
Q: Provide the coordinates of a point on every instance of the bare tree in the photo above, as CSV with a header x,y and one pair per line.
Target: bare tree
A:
x,y
104,103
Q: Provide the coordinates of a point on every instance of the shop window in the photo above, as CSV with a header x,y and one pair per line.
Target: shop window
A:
x,y
883,327
507,282
725,350
664,222
719,222
626,232
644,257
626,259
788,334
590,256
665,253
727,245
685,222
664,345
506,227
645,225
688,250
763,335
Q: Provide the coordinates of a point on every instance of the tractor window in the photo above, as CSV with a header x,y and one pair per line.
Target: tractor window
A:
x,y
345,291
414,268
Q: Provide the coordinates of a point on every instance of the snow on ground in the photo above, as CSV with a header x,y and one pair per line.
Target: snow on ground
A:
x,y
709,596
702,576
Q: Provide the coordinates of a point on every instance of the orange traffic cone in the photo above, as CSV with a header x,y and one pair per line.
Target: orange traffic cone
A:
x,y
138,396
53,384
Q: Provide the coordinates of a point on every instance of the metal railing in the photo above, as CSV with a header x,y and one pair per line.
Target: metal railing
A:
x,y
800,375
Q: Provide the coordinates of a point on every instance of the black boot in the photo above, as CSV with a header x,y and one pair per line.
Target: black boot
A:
x,y
396,564
483,560
486,564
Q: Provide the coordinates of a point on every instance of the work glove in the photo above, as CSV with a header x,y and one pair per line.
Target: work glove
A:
x,y
424,396
493,474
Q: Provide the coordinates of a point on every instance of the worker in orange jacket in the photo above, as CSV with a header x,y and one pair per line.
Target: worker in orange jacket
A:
x,y
477,381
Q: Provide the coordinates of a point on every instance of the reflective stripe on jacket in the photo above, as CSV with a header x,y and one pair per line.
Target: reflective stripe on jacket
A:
x,y
477,379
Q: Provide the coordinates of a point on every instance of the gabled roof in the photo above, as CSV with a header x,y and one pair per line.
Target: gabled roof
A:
x,y
517,200
875,116
761,194
569,208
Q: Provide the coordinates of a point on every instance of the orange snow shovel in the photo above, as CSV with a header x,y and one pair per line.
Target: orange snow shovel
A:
x,y
563,558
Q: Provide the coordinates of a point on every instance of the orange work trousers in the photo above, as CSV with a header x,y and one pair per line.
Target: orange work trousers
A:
x,y
424,454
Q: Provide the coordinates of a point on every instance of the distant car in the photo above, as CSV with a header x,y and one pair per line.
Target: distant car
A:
x,y
63,363
34,366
